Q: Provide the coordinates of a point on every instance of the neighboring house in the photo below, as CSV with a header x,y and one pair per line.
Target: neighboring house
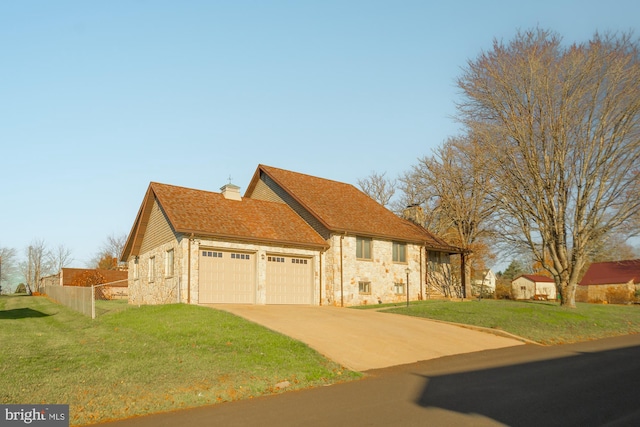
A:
x,y
115,281
528,286
292,239
483,280
612,282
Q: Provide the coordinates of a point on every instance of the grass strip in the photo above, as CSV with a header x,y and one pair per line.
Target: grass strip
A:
x,y
141,360
542,322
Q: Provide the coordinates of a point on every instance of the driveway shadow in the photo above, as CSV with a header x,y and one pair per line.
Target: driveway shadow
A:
x,y
585,389
21,313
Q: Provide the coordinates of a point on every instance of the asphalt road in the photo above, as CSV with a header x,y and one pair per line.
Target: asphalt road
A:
x,y
594,383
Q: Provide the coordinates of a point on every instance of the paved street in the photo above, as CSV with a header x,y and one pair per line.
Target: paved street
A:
x,y
586,384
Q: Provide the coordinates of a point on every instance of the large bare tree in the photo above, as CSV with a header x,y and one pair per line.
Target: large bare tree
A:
x,y
454,188
378,187
559,127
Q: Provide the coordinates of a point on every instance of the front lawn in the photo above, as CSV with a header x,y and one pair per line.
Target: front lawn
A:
x,y
147,359
543,322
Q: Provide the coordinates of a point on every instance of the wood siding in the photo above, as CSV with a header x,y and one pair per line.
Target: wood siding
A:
x,y
158,231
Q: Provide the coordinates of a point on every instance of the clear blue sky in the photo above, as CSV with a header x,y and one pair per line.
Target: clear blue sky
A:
x,y
98,98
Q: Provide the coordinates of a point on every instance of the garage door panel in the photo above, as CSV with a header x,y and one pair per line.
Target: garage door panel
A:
x,y
227,277
289,280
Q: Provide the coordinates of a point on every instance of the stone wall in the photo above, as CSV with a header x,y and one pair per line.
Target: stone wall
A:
x,y
380,271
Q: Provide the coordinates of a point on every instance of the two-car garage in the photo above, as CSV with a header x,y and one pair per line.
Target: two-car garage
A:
x,y
232,277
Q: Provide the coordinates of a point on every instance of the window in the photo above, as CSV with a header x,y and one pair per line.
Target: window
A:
x,y
168,263
398,288
152,268
364,287
298,261
240,256
363,248
399,252
275,259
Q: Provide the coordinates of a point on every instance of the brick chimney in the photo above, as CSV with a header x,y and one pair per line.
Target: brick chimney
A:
x,y
231,192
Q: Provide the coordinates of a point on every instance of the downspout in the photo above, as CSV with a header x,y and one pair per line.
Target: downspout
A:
x,y
426,275
421,287
321,277
189,268
341,274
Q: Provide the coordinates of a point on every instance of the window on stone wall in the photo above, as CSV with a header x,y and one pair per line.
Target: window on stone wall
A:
x,y
364,287
363,248
399,252
168,263
152,269
398,288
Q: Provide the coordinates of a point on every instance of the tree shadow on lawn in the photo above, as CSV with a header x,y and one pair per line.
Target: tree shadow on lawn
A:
x,y
21,313
585,389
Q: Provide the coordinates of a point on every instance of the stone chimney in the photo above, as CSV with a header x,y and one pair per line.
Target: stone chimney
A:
x,y
415,214
231,192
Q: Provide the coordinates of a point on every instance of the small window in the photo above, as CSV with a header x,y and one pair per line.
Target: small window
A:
x,y
364,287
168,263
399,252
398,288
152,269
363,248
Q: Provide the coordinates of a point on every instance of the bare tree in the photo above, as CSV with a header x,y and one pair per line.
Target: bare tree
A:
x,y
454,187
378,187
560,127
109,254
59,258
37,265
7,267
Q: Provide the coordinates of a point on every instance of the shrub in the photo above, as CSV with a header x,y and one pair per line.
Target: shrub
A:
x,y
503,290
619,295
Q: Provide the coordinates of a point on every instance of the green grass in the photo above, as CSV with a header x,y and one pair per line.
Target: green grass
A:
x,y
135,361
543,322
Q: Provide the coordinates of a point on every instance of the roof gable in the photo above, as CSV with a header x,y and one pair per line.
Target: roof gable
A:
x,y
612,272
205,213
342,208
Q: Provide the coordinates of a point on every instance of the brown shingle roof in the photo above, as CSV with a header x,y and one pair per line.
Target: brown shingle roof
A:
x,y
343,208
612,272
205,213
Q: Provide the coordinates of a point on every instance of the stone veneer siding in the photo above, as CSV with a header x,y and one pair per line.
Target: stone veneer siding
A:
x,y
381,271
165,290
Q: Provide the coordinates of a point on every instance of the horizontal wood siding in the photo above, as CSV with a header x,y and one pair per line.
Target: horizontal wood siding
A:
x,y
159,230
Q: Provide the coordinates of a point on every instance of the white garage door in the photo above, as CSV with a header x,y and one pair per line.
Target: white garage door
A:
x,y
289,280
227,277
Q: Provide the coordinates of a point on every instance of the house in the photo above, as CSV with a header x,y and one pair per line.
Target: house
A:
x,y
529,286
291,239
483,281
612,282
115,281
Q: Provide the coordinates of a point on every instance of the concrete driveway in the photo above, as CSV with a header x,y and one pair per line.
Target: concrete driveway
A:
x,y
361,340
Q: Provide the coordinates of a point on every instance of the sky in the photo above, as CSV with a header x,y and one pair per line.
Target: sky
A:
x,y
100,98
